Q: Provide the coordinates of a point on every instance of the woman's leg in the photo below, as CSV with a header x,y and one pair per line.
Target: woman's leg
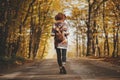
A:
x,y
64,60
59,60
59,57
64,55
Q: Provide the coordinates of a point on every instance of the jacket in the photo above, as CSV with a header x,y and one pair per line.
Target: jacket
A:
x,y
64,29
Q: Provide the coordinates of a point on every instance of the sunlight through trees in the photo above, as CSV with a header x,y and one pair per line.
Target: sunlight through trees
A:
x,y
25,27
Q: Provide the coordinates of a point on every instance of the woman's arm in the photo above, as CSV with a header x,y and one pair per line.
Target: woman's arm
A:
x,y
66,31
53,31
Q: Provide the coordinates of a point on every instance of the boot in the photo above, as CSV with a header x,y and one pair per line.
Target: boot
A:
x,y
61,71
64,70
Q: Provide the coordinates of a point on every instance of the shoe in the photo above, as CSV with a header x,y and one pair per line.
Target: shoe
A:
x,y
64,70
61,71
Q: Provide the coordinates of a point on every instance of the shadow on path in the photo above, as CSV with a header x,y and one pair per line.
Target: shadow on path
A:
x,y
77,69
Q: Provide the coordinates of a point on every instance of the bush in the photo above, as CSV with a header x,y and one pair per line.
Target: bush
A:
x,y
11,60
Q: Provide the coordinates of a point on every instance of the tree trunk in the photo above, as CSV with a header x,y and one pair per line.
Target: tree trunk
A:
x,y
115,43
89,32
77,43
6,30
30,40
106,43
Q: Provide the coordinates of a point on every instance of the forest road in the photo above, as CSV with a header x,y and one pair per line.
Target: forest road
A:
x,y
77,69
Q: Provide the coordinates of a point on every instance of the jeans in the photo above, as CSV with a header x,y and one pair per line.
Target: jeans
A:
x,y
61,56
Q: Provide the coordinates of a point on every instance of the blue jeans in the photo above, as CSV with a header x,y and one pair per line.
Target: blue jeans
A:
x,y
61,56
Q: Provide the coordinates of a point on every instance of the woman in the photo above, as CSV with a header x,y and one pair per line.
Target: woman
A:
x,y
61,45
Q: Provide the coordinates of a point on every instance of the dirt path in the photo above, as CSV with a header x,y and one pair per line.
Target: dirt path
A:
x,y
82,69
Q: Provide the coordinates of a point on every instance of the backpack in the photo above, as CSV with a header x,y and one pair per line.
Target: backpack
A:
x,y
59,35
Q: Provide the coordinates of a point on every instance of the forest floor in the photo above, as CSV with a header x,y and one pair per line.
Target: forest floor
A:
x,y
77,69
17,65
114,61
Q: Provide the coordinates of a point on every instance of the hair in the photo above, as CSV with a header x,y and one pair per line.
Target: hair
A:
x,y
60,16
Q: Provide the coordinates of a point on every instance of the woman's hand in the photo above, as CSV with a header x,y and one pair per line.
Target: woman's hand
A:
x,y
64,41
57,29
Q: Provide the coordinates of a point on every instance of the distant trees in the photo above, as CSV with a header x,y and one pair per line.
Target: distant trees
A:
x,y
25,27
102,19
101,29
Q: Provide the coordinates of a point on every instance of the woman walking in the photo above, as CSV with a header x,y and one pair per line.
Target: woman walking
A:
x,y
60,31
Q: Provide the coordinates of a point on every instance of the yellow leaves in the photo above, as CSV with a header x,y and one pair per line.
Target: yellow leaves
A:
x,y
18,62
95,34
56,6
35,7
76,12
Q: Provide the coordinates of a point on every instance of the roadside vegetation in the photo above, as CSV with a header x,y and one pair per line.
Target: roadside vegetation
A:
x,y
25,27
